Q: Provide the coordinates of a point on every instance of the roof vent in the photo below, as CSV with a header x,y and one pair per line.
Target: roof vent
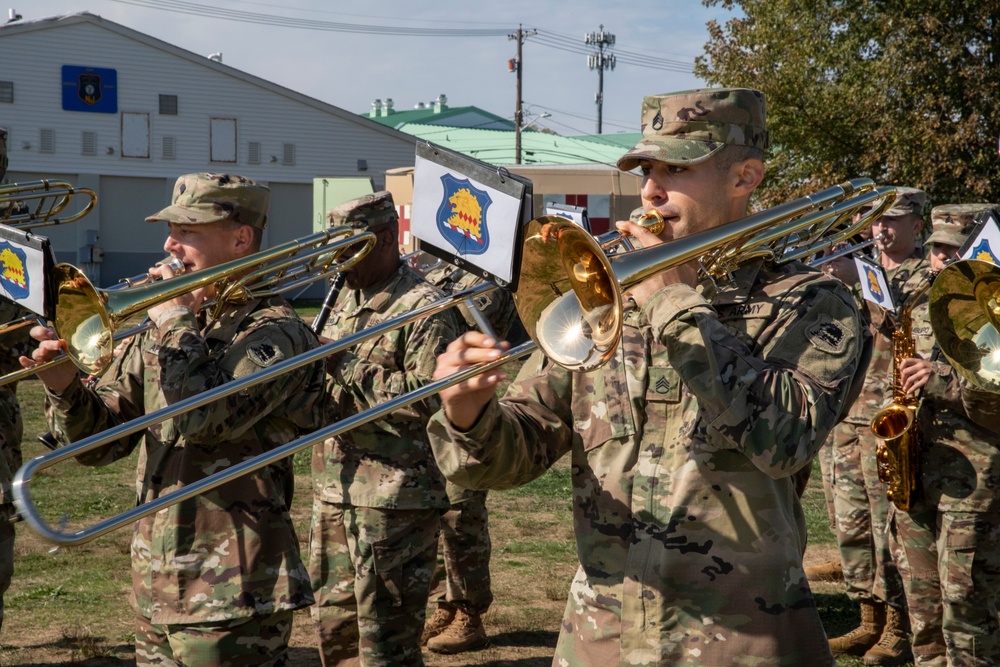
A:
x,y
440,104
387,107
217,57
12,15
376,108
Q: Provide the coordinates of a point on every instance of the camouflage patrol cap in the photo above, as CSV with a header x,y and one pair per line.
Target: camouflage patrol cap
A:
x,y
691,126
951,224
207,197
908,200
365,211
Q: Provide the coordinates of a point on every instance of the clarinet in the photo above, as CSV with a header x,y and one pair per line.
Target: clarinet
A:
x,y
331,298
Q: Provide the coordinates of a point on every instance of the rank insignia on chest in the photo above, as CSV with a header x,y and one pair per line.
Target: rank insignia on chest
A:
x,y
662,385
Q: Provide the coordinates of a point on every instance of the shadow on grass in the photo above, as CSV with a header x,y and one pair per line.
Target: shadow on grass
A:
x,y
839,613
526,638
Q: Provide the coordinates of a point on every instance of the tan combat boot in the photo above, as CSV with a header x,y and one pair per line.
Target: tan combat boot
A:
x,y
860,639
828,571
894,646
466,633
438,622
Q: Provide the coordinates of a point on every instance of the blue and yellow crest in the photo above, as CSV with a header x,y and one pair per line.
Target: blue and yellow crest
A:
x,y
13,272
88,88
874,288
984,253
461,217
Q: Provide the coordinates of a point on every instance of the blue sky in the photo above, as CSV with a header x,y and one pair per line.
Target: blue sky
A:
x,y
350,70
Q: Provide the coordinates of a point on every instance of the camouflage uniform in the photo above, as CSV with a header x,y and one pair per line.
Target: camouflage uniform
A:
x,y
462,575
859,497
950,538
225,562
379,495
689,531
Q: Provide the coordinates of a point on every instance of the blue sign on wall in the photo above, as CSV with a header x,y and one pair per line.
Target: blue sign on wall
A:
x,y
92,89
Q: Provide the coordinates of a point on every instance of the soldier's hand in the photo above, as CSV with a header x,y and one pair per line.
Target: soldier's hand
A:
x,y
914,374
464,402
50,346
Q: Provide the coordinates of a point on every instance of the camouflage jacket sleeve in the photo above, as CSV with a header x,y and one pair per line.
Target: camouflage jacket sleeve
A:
x,y
188,367
773,394
83,410
515,440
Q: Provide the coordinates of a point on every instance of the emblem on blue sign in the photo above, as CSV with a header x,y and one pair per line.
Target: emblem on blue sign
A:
x,y
13,271
873,285
88,88
984,252
461,217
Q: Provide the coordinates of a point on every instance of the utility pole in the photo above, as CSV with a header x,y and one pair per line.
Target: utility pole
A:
x,y
600,60
516,65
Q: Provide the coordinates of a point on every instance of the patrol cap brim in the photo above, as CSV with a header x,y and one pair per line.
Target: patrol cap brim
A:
x,y
956,239
186,216
671,151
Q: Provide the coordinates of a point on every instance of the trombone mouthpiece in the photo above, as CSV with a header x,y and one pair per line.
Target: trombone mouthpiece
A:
x,y
652,221
176,265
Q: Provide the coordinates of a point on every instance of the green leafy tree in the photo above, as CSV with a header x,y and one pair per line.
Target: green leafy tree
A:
x,y
905,92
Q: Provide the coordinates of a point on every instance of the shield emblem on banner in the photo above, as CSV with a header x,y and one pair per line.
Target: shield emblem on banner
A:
x,y
984,252
461,217
13,273
873,285
89,88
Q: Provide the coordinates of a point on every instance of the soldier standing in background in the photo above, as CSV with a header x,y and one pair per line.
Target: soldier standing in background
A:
x,y
872,577
379,494
689,530
460,588
13,344
949,541
215,578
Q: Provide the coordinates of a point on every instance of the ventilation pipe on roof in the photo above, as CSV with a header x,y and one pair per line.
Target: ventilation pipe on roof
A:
x,y
440,104
217,57
376,108
387,108
12,15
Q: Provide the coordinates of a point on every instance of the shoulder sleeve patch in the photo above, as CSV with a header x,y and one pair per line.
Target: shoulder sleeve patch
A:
x,y
263,353
827,335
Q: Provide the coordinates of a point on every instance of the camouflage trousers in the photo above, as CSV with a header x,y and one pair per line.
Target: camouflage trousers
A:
x,y
952,579
863,518
259,641
6,553
825,458
462,574
371,570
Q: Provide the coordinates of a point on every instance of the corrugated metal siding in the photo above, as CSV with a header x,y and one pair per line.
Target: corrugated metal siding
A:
x,y
325,143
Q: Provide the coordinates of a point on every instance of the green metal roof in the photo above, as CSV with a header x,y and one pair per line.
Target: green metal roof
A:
x,y
428,116
624,140
497,146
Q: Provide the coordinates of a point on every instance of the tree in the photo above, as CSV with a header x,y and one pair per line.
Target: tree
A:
x,y
905,92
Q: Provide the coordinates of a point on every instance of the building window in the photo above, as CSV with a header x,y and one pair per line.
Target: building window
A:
x,y
222,139
89,143
253,152
169,148
48,141
168,105
288,154
7,92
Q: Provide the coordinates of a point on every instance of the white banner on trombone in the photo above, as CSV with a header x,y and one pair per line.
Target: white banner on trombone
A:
x,y
984,243
467,212
23,258
874,285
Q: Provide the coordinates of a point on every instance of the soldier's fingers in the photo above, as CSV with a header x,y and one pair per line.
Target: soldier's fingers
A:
x,y
40,332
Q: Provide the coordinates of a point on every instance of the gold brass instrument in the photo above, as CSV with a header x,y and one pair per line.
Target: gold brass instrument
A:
x,y
846,250
569,293
41,202
22,480
965,316
87,317
898,452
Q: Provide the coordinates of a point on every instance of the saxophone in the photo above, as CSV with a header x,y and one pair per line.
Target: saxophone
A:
x,y
895,425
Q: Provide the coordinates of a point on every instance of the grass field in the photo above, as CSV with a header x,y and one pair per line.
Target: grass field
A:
x,y
71,607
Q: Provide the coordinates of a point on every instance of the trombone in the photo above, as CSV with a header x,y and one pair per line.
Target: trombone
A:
x,y
41,202
22,480
575,313
87,318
